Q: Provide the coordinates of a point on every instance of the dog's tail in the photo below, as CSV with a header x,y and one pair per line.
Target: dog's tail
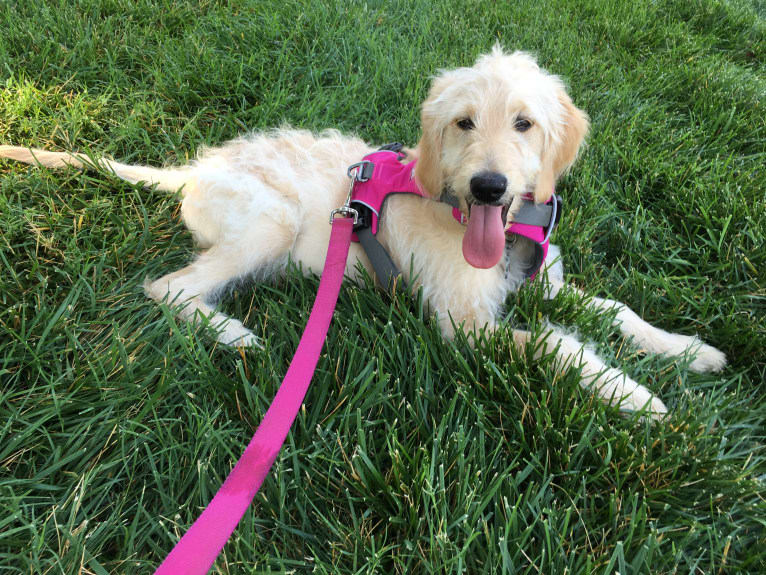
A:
x,y
169,179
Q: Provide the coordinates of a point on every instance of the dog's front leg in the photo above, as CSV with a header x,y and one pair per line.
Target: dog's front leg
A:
x,y
478,309
649,338
611,385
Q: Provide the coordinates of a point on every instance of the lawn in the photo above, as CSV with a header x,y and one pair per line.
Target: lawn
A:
x,y
413,455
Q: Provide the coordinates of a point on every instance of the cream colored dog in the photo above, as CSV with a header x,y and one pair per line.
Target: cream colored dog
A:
x,y
258,201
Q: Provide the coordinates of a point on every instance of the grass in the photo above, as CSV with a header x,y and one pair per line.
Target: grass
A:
x,y
413,455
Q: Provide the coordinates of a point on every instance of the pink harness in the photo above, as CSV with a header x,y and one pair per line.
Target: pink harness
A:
x,y
196,551
382,174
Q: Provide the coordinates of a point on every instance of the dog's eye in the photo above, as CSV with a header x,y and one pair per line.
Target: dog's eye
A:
x,y
522,125
465,124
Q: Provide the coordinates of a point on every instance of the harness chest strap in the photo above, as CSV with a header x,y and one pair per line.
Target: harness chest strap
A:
x,y
382,174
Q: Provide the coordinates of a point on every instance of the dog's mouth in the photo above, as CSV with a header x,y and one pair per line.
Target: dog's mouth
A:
x,y
484,238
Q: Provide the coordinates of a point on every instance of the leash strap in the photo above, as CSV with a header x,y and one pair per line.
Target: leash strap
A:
x,y
195,553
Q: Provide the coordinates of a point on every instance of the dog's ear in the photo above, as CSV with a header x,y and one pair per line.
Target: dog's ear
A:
x,y
428,170
561,149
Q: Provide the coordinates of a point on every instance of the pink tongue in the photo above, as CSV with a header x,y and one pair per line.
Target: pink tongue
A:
x,y
484,240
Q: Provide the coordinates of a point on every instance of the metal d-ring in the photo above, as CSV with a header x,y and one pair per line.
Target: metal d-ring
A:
x,y
347,212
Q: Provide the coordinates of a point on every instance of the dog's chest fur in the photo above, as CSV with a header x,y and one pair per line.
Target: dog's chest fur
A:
x,y
425,242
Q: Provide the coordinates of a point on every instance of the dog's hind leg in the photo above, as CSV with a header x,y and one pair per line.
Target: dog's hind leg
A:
x,y
193,288
190,289
247,226
610,384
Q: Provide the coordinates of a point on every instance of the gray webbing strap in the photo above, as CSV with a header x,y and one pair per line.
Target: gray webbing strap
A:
x,y
382,263
386,271
533,214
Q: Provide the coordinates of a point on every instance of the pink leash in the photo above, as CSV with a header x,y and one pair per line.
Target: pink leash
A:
x,y
195,553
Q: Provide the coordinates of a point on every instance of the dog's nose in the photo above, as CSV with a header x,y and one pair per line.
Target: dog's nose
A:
x,y
488,187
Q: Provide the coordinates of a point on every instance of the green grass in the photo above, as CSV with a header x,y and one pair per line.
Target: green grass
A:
x,y
413,455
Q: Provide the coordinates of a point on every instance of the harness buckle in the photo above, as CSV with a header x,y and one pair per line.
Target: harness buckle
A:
x,y
361,171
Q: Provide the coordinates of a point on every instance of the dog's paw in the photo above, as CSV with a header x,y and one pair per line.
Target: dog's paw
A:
x,y
641,401
617,389
656,409
706,357
247,340
234,334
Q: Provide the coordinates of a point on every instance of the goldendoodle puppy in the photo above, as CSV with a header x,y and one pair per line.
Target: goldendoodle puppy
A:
x,y
493,134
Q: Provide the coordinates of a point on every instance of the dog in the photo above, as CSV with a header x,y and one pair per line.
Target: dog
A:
x,y
259,201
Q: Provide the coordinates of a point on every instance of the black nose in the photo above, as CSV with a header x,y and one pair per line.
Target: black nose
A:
x,y
488,187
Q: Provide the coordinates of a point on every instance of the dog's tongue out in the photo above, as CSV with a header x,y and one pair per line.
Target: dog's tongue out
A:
x,y
484,240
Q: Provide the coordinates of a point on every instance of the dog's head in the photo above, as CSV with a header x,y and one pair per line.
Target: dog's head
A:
x,y
493,132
